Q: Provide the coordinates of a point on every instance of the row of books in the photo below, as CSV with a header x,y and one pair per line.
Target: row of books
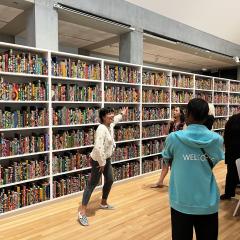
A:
x,y
220,85
203,83
116,73
152,147
24,170
70,184
234,99
235,87
183,81
72,116
156,78
20,196
20,62
155,96
23,144
31,91
221,111
126,170
219,123
121,94
153,113
152,164
220,98
75,68
70,161
66,92
73,138
26,117
127,132
234,110
133,114
155,130
206,96
123,152
181,96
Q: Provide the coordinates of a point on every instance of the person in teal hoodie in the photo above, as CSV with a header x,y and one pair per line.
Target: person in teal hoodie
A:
x,y
193,191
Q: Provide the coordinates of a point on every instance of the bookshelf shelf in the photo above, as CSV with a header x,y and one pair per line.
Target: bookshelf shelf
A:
x,y
72,171
25,181
131,80
23,129
24,155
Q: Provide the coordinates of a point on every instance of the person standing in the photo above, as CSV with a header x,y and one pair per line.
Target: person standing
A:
x,y
176,124
101,161
193,191
232,153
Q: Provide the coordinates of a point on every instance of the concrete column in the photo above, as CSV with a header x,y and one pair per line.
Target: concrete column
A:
x,y
42,25
7,38
131,47
238,73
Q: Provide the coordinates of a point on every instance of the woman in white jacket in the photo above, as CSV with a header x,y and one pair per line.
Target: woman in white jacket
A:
x,y
101,160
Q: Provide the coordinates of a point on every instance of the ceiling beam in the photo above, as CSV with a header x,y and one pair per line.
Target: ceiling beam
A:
x,y
17,25
19,4
102,43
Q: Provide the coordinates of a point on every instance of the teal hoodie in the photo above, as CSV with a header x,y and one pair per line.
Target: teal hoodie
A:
x,y
193,188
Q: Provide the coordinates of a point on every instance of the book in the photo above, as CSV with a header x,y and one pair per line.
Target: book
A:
x,y
152,147
181,96
152,164
234,87
203,83
153,113
182,81
220,85
155,78
221,98
155,96
127,132
125,151
155,130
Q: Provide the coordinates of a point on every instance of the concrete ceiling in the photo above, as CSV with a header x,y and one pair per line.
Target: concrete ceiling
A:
x,y
219,18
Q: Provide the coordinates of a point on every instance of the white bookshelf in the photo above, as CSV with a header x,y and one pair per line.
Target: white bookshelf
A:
x,y
167,74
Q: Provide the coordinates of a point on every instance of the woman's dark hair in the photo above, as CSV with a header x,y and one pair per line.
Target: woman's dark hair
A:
x,y
182,115
209,122
103,112
198,109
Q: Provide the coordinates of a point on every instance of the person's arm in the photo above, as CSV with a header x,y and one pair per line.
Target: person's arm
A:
x,y
118,117
219,153
167,152
99,146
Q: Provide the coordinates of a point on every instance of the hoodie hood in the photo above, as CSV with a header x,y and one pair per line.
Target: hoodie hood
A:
x,y
197,136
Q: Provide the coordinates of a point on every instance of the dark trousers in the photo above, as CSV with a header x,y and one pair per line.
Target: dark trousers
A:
x,y
232,179
94,180
206,226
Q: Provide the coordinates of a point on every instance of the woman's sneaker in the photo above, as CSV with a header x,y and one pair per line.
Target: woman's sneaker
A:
x,y
83,219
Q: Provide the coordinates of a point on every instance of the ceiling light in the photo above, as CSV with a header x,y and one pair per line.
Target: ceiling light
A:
x,y
236,59
204,69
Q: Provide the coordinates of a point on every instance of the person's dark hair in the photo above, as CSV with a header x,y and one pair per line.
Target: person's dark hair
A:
x,y
209,122
103,112
198,109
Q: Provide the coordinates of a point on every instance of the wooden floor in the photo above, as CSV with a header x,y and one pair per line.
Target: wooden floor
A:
x,y
142,213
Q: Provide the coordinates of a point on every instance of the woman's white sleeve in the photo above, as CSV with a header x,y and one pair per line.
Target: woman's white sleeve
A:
x,y
117,119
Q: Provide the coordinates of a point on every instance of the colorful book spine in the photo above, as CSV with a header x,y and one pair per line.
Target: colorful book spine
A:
x,y
155,130
126,170
70,161
183,81
125,151
156,78
20,62
36,91
204,83
206,96
152,164
220,86
23,144
121,94
127,133
221,111
74,138
155,96
24,170
221,98
23,195
235,87
73,116
234,99
152,147
219,123
116,73
26,117
133,114
181,96
64,92
76,68
153,113
234,110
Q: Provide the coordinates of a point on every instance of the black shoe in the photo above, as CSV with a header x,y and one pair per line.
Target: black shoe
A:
x,y
225,197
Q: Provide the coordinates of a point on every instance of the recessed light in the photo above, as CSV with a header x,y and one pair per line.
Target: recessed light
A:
x,y
204,69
